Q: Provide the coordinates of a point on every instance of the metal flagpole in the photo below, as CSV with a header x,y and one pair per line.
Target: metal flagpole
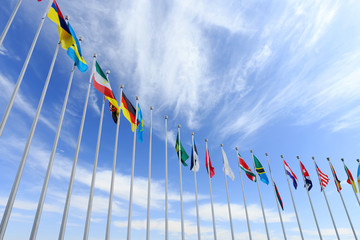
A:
x,y
312,208
132,173
243,192
71,183
211,199
277,203
228,200
292,198
16,183
181,197
22,73
327,203
149,182
3,34
262,207
166,185
88,214
352,185
347,214
196,194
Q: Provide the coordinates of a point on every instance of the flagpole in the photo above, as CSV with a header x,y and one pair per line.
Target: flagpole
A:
x,y
166,185
351,184
347,214
132,173
307,191
196,194
8,24
71,183
22,73
277,203
243,192
228,200
16,183
149,182
211,199
292,198
181,197
262,207
88,214
327,203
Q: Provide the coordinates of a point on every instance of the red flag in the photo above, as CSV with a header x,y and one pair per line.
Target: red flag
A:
x,y
208,163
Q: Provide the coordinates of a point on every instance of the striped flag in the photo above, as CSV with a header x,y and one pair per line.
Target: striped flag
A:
x,y
350,179
278,197
292,175
336,180
324,179
208,163
358,176
128,111
308,182
246,169
260,170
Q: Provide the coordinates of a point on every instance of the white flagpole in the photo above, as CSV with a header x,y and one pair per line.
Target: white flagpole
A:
x,y
71,183
243,192
228,200
327,203
149,182
347,214
181,197
351,184
277,203
262,207
88,214
16,183
3,34
132,173
166,185
22,73
292,198
312,208
211,199
196,194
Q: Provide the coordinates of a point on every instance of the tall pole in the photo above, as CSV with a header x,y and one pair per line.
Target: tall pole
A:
x,y
277,203
312,208
149,182
22,73
16,183
262,207
166,185
196,194
88,214
228,200
3,34
132,173
292,198
181,197
243,192
72,177
352,185
211,198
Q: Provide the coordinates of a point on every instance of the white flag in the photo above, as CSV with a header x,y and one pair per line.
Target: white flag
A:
x,y
195,166
227,169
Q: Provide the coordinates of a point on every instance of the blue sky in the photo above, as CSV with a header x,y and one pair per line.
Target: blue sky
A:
x,y
281,78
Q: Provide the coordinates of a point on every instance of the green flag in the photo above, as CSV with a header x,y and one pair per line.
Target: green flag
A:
x,y
184,155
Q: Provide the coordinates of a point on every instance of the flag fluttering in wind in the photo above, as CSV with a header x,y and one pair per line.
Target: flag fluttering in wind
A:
x,y
336,180
179,147
350,179
140,128
260,170
74,52
278,197
308,182
291,174
128,111
358,176
208,164
194,166
227,168
246,169
324,179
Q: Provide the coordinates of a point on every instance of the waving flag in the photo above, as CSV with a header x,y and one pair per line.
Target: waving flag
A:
x,y
290,173
336,180
260,170
278,197
140,129
128,111
358,176
227,168
179,148
74,52
324,179
350,179
208,163
308,183
246,169
194,166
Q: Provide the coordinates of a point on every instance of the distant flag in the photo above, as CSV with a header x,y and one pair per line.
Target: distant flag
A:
x,y
140,128
278,197
308,183
336,180
208,164
194,166
324,179
179,147
246,169
358,176
350,179
227,169
290,173
39,0
260,170
128,111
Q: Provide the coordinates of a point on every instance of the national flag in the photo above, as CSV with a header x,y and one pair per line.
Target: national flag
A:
x,y
260,170
324,179
336,180
246,169
140,128
227,168
208,163
194,166
308,183
358,176
278,197
74,52
350,179
128,111
290,173
184,155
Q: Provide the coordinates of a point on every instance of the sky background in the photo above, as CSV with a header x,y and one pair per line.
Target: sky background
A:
x,y
278,77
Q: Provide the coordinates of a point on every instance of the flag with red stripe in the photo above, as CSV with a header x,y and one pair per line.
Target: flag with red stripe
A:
x,y
336,180
323,178
208,163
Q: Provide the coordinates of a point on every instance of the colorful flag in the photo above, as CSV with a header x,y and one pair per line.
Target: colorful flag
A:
x,y
74,52
290,173
208,163
278,197
324,179
227,169
308,183
246,169
336,180
184,155
128,111
140,128
260,170
350,179
358,176
194,166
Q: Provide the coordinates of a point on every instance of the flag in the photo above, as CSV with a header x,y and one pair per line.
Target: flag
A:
x,y
194,166
74,52
358,176
324,179
278,197
308,183
140,128
208,163
227,169
350,179
336,180
260,170
184,155
246,169
291,174
128,111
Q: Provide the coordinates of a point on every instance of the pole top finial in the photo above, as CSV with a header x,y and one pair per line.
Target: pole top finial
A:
x,y
67,17
205,139
236,148
281,156
95,55
179,125
80,39
328,158
266,154
251,151
313,158
192,133
107,72
221,145
137,98
151,107
121,86
297,157
342,159
357,160
166,117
